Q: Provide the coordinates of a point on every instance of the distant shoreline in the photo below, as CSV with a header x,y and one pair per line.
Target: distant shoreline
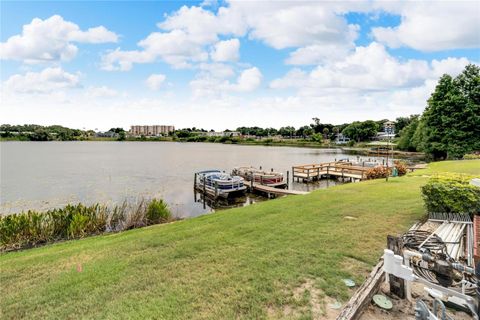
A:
x,y
278,143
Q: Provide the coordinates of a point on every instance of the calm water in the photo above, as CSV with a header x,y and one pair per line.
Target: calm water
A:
x,y
43,175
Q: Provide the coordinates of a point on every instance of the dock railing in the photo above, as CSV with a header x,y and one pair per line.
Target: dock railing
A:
x,y
339,169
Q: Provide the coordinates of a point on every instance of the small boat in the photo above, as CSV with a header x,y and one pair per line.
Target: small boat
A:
x,y
272,179
219,184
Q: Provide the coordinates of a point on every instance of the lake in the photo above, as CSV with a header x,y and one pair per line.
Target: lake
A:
x,y
44,175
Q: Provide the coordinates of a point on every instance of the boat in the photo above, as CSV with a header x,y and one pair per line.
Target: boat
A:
x,y
219,184
272,179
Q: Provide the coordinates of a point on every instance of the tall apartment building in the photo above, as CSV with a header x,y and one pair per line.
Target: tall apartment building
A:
x,y
155,130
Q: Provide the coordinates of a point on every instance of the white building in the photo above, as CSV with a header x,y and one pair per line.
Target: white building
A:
x,y
341,139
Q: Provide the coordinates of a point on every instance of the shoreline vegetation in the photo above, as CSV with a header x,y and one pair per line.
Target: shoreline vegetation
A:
x,y
360,148
75,221
202,267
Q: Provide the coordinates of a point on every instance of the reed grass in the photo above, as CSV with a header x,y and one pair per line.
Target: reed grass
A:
x,y
33,228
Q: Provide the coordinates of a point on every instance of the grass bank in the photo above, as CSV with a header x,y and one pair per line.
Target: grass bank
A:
x,y
240,263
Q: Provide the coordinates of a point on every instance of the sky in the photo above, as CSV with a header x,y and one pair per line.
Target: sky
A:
x,y
225,64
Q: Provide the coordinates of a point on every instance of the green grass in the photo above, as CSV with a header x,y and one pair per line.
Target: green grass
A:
x,y
469,167
239,263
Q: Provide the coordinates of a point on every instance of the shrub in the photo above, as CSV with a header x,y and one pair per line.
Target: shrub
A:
x,y
158,212
378,172
471,156
401,167
451,194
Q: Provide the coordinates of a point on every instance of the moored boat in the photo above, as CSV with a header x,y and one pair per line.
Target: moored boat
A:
x,y
272,179
219,184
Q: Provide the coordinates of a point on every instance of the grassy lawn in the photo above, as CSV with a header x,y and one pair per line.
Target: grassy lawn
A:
x,y
240,263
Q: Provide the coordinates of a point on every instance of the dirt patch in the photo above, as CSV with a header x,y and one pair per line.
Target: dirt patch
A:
x,y
403,309
77,262
307,300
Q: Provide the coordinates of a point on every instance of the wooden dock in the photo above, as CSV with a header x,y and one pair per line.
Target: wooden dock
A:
x,y
311,172
272,191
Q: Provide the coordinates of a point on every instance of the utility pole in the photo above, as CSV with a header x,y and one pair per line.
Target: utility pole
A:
x,y
389,129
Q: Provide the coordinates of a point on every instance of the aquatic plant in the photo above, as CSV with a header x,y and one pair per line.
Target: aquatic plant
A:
x,y
157,212
32,228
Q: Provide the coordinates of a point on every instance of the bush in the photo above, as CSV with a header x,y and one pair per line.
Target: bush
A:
x,y
401,167
378,172
451,194
157,212
471,156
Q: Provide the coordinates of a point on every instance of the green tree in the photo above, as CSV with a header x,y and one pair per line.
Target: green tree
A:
x,y
450,125
406,141
361,131
325,132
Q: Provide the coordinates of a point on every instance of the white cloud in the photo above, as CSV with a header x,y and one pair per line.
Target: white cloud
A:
x,y
182,42
226,50
295,24
216,70
367,68
317,54
433,26
46,81
316,28
155,81
207,85
248,80
51,40
101,92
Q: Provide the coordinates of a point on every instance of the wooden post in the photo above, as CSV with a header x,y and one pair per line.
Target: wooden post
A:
x,y
195,181
318,173
204,186
251,182
308,175
260,167
288,178
271,170
397,285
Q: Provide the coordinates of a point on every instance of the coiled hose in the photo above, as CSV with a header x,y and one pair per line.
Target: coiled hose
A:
x,y
414,238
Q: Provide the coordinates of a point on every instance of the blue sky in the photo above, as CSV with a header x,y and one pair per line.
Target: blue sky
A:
x,y
98,64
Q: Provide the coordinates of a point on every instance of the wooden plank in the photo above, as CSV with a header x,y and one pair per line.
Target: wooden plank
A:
x,y
276,191
363,296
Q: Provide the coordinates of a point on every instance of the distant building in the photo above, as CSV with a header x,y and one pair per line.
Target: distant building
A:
x,y
224,134
155,130
106,134
388,132
341,139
